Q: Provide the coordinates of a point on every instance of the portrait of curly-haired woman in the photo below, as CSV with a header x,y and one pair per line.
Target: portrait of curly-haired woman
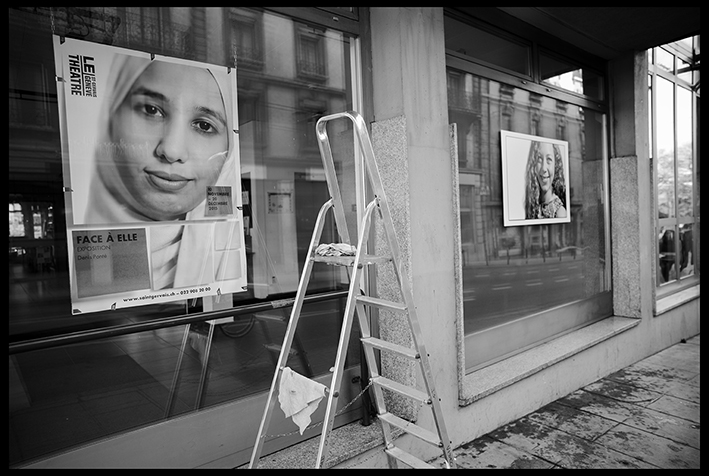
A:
x,y
545,184
535,187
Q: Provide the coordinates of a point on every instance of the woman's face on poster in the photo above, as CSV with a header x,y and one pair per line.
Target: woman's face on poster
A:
x,y
170,137
544,166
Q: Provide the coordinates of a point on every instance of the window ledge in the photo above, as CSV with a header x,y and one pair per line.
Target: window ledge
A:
x,y
484,382
674,300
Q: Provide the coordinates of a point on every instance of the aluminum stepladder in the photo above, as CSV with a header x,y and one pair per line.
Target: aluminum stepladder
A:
x,y
357,299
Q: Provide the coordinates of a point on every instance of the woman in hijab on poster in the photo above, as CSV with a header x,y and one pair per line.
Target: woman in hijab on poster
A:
x,y
165,137
545,182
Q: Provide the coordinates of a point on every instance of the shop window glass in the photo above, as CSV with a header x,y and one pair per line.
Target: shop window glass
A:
x,y
674,105
570,77
17,219
684,70
665,60
665,149
288,75
491,49
28,104
519,273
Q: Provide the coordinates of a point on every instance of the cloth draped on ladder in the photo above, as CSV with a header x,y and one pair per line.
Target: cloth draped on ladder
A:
x,y
299,397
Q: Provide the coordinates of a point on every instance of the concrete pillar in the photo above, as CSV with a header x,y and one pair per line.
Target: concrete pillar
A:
x,y
632,208
411,141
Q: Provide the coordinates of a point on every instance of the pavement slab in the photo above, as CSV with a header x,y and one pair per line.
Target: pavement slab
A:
x,y
651,448
645,416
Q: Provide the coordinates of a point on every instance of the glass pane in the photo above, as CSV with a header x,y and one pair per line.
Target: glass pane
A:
x,y
665,60
651,115
481,45
686,250
665,117
685,178
667,254
517,271
282,90
683,70
570,77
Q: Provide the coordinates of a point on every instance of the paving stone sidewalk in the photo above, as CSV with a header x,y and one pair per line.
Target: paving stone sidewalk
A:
x,y
643,416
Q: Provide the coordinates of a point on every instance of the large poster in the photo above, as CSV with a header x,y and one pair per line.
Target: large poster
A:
x,y
151,176
535,179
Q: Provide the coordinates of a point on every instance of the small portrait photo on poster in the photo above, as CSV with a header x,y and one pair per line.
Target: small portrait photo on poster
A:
x,y
535,175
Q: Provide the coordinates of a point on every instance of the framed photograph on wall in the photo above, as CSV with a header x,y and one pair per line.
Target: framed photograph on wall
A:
x,y
535,179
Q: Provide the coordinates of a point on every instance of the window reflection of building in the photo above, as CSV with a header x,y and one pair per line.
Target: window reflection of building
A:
x,y
246,39
580,245
289,74
310,53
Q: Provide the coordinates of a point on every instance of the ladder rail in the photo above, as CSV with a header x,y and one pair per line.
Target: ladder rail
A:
x,y
290,333
350,309
331,177
403,281
367,149
374,176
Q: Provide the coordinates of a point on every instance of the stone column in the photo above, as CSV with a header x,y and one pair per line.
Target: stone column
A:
x,y
410,138
631,196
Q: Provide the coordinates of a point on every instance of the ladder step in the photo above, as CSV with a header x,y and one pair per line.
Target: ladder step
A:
x,y
389,346
408,458
349,260
383,303
412,428
402,389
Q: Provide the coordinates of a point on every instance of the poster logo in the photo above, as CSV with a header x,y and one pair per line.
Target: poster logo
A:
x,y
82,75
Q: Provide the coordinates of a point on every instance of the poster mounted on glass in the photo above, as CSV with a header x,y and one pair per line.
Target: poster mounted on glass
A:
x,y
152,185
535,179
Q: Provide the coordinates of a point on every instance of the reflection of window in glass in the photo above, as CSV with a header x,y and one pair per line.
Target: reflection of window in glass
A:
x,y
566,75
17,222
157,29
464,106
310,60
245,42
143,26
42,221
28,94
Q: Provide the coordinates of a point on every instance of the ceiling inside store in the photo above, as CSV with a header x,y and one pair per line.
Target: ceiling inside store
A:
x,y
611,31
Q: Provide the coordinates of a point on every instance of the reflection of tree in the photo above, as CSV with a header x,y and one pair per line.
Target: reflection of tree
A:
x,y
666,181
